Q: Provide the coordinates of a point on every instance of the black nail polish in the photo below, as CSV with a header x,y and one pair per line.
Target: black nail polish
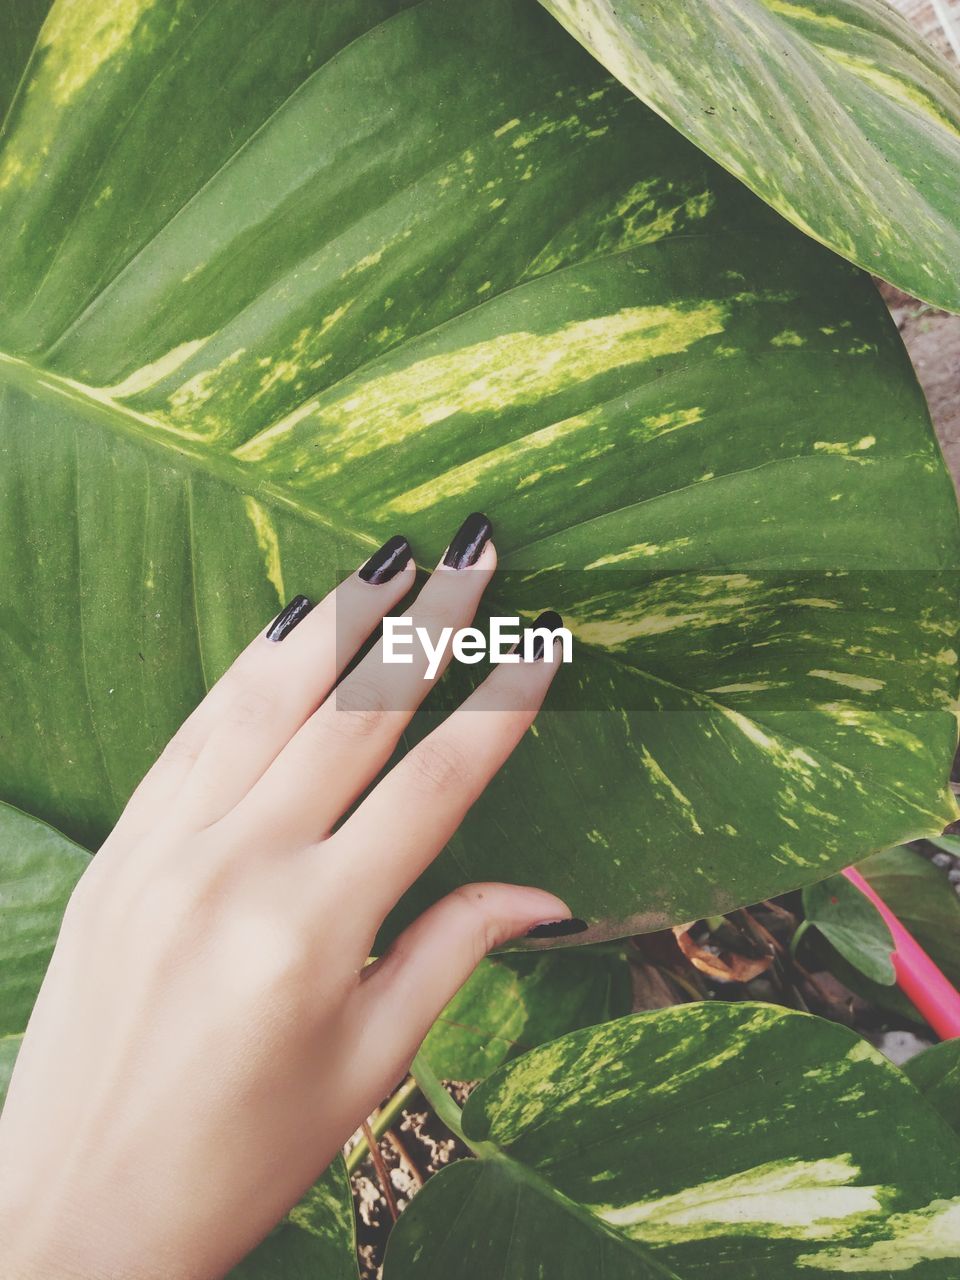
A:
x,y
550,620
557,928
292,615
468,542
387,562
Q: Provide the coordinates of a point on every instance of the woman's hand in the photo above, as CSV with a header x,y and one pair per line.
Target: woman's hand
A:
x,y
209,1033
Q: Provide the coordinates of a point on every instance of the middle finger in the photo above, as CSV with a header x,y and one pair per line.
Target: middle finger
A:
x,y
352,735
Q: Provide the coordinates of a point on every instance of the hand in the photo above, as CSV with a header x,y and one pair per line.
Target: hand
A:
x,y
209,1032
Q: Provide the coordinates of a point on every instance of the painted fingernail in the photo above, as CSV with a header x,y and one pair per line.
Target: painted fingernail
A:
x,y
292,616
557,928
548,621
468,542
386,563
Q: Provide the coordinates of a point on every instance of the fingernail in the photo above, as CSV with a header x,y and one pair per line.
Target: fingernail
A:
x,y
557,928
386,563
292,615
550,621
468,542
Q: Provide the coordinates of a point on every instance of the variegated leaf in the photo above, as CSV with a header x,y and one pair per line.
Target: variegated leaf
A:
x,y
715,1141
834,111
936,1073
512,1003
276,287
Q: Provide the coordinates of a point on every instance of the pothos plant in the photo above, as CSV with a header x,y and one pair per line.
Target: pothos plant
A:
x,y
279,279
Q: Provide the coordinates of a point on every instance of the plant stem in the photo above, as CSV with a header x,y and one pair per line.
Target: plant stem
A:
x,y
445,1107
381,1121
376,1155
404,1157
434,1092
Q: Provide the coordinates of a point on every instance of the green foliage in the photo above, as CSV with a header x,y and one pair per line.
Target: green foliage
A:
x,y
260,312
513,1003
847,919
709,1140
9,1048
836,112
275,286
923,898
949,844
936,1073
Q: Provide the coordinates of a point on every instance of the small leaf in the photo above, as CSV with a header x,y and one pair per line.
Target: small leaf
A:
x,y
890,999
924,900
851,922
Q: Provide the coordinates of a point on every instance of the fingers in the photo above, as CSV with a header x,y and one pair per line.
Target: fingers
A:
x,y
352,735
405,822
271,689
402,994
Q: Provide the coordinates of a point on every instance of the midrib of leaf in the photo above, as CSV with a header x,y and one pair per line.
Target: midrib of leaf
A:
x,y
151,433
529,1179
103,286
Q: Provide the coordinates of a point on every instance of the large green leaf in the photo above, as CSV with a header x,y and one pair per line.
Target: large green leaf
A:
x,y
273,288
512,1003
717,1141
936,1073
835,112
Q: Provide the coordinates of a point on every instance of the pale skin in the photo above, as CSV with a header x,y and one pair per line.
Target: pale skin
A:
x,y
210,1032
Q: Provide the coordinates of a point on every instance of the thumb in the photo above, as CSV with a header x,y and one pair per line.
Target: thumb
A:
x,y
408,987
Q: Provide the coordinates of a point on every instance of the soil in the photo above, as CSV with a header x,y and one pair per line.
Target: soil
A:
x,y
417,1146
